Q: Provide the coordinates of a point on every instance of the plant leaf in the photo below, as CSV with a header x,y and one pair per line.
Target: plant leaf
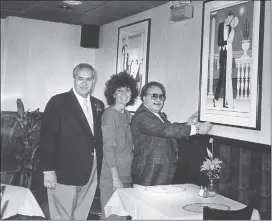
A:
x,y
26,113
17,118
36,112
20,107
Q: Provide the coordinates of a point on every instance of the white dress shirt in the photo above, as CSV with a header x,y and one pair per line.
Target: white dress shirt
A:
x,y
82,102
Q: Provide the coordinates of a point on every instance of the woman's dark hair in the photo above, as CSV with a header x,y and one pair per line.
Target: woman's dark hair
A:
x,y
152,84
116,81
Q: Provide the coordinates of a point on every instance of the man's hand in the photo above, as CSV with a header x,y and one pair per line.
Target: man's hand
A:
x,y
193,119
204,128
50,179
117,184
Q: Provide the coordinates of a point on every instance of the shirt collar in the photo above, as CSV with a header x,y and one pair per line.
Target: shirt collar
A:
x,y
81,99
157,114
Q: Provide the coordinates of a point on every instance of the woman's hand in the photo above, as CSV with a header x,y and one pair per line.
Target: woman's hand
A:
x,y
117,184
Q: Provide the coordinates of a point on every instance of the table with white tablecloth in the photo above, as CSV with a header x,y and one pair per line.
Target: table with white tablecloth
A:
x,y
19,200
140,203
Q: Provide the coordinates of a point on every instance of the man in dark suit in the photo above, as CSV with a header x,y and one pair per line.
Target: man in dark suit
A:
x,y
71,147
154,138
223,33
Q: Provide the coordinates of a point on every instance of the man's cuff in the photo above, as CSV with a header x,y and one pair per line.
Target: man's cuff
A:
x,y
193,130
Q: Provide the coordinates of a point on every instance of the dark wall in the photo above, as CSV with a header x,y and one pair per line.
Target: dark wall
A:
x,y
245,174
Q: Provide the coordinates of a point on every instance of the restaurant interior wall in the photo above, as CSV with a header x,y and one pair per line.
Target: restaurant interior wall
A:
x,y
174,60
37,60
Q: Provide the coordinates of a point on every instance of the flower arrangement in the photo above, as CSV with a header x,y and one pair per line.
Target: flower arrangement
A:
x,y
211,166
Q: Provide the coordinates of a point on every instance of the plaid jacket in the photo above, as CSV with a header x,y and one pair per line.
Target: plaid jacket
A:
x,y
155,147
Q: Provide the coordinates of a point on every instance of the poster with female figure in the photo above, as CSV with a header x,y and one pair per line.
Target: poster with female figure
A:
x,y
231,64
132,55
229,87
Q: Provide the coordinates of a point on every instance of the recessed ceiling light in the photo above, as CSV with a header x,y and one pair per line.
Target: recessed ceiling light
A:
x,y
73,2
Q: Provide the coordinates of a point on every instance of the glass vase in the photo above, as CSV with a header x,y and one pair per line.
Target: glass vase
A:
x,y
211,188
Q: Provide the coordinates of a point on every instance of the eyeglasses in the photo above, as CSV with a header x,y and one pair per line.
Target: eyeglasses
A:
x,y
155,96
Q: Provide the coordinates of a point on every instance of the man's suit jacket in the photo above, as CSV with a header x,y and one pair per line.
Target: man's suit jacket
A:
x,y
154,143
221,41
67,141
220,37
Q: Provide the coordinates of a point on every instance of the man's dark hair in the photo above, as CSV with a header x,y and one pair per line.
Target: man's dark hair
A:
x,y
152,84
230,13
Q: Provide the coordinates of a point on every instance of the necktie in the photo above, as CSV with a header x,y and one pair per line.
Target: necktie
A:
x,y
87,110
88,113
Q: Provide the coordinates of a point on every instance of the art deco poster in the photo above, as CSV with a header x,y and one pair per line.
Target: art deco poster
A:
x,y
132,53
231,63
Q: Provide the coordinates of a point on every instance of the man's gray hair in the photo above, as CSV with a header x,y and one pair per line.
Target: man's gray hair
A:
x,y
82,66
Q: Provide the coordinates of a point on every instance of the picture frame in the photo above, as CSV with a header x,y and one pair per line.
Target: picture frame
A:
x,y
133,53
231,63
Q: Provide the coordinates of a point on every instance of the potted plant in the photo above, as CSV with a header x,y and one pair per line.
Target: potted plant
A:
x,y
8,161
25,136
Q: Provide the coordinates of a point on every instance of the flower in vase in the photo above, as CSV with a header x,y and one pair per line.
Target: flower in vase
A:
x,y
211,166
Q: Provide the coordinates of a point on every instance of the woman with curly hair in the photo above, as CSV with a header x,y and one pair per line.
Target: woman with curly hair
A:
x,y
121,90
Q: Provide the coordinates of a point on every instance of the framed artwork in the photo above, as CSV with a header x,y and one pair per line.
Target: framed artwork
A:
x,y
231,63
133,52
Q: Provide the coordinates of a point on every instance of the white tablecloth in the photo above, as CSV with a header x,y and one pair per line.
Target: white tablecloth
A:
x,y
141,204
21,201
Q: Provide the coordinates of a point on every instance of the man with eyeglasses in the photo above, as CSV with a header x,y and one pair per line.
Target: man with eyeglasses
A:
x,y
71,147
154,138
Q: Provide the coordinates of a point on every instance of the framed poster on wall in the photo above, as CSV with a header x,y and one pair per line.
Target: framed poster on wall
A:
x,y
231,63
133,52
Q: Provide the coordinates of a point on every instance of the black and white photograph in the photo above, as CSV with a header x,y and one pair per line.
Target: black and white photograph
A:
x,y
136,110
